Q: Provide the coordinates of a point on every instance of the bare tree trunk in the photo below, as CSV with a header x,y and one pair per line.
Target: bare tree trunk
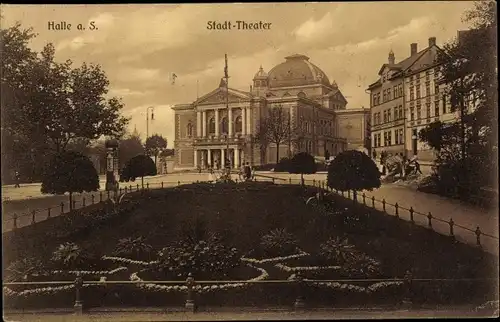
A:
x,y
70,201
277,153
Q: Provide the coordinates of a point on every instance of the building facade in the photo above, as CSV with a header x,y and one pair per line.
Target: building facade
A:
x,y
316,109
406,98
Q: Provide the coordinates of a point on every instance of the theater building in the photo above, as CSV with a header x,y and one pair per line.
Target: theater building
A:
x,y
316,106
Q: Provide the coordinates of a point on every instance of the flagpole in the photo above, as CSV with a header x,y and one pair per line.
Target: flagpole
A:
x,y
227,108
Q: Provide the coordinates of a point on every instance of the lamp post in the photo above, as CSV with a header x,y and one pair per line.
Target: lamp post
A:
x,y
111,164
147,119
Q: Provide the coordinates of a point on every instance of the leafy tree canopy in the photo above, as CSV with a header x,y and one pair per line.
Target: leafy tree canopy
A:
x,y
140,166
353,170
70,172
155,144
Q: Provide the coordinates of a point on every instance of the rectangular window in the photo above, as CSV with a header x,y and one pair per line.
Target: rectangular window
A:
x,y
401,136
427,88
401,112
396,137
412,114
378,98
436,108
385,138
396,115
444,103
374,140
384,96
419,112
436,90
389,138
428,109
389,116
400,90
418,91
374,100
395,91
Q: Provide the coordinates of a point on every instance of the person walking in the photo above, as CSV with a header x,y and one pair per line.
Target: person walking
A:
x,y
248,172
18,179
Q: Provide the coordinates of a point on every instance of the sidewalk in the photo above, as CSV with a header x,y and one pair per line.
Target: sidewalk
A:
x,y
248,314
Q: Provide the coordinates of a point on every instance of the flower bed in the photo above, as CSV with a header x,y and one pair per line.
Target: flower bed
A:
x,y
274,259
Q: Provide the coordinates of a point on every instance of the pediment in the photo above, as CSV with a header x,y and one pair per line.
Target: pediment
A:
x,y
218,96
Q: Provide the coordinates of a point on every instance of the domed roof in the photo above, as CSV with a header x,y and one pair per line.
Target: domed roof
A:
x,y
297,71
260,74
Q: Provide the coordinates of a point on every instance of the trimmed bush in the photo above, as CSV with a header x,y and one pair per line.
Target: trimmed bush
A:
x,y
302,163
283,165
353,170
139,167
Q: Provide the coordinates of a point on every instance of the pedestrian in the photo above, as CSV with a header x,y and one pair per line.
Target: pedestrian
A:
x,y
417,167
248,172
211,178
18,179
327,155
374,155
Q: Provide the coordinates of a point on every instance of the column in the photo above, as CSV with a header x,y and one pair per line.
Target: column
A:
x,y
216,122
222,158
196,158
236,158
198,124
209,157
243,121
230,122
204,123
247,123
242,156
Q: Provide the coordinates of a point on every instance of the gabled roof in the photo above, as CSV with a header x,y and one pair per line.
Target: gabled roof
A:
x,y
233,93
390,66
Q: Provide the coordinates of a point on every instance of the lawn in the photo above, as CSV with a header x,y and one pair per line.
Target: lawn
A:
x,y
250,231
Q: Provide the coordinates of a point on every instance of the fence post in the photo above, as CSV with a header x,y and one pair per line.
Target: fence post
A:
x,y
162,184
342,193
451,228
92,198
289,180
364,199
48,213
411,214
33,215
273,180
62,207
407,300
83,202
147,185
478,236
178,183
299,301
190,304
429,216
100,196
137,189
396,207
120,190
383,204
373,201
354,196
349,193
15,221
78,307
314,182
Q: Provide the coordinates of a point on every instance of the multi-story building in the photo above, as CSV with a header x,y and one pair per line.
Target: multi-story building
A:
x,y
316,106
417,99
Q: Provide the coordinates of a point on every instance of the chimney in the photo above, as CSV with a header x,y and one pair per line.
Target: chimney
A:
x,y
432,41
392,59
413,49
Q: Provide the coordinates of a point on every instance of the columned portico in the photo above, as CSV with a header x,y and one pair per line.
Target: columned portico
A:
x,y
217,154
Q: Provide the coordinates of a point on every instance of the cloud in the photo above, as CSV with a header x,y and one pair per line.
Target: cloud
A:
x,y
313,29
138,74
127,92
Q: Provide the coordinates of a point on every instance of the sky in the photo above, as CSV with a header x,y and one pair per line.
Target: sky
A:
x,y
141,46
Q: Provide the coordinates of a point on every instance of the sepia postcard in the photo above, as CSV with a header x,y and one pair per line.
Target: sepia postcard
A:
x,y
244,161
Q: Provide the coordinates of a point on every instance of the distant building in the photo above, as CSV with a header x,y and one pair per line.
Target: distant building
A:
x,y
315,104
405,99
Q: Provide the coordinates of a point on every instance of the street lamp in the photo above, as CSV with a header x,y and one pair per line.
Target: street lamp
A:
x,y
147,119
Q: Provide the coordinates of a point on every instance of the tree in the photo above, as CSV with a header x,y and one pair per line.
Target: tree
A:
x,y
155,144
70,172
276,128
130,147
469,72
353,170
302,163
140,166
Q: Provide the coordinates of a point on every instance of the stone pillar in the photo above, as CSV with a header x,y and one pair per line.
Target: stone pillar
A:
x,y
243,121
222,160
198,124
248,114
236,158
202,157
230,122
209,157
195,158
217,122
204,123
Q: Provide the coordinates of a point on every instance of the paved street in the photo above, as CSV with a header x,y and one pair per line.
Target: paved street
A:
x,y
28,198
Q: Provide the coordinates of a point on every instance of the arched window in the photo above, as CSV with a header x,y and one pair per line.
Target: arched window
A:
x,y
301,94
224,126
238,126
211,126
189,130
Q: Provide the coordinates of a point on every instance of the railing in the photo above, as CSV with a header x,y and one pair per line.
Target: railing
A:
x,y
192,287
98,197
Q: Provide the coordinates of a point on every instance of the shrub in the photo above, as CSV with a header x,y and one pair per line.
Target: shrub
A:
x,y
279,242
135,248
337,250
353,170
71,256
208,258
22,269
139,167
70,172
283,165
302,163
